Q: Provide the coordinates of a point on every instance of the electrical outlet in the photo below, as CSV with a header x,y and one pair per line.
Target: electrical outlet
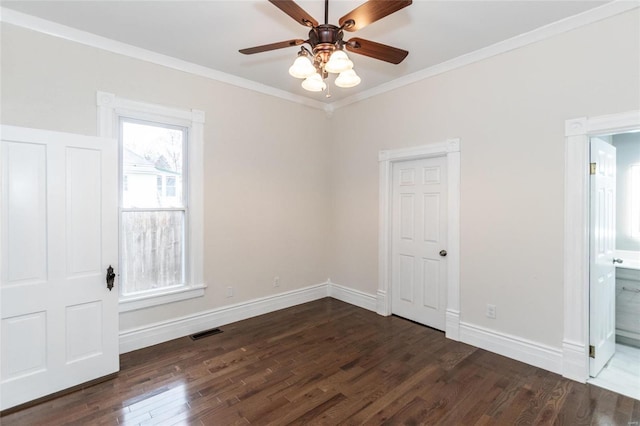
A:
x,y
491,311
229,291
276,281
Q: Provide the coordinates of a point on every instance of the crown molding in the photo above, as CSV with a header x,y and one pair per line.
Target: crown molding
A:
x,y
62,31
30,22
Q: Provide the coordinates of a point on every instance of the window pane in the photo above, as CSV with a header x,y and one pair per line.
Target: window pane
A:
x,y
150,154
171,187
152,244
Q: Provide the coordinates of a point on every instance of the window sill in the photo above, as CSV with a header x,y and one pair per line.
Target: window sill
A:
x,y
135,302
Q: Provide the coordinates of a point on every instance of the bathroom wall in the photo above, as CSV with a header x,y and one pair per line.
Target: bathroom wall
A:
x,y
628,238
628,164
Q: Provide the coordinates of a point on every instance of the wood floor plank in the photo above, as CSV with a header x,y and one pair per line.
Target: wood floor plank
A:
x,y
548,414
328,363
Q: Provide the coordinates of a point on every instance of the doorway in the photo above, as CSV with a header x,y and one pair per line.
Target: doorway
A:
x,y
575,344
618,370
450,150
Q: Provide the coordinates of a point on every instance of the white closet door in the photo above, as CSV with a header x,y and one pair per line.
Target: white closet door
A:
x,y
419,236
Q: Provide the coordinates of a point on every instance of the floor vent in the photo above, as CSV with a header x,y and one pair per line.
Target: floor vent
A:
x,y
205,333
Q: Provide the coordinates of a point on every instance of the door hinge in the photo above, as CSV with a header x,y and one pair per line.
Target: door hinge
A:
x,y
592,168
592,351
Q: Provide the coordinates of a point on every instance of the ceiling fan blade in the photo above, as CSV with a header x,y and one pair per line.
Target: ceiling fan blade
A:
x,y
272,46
376,50
371,11
296,12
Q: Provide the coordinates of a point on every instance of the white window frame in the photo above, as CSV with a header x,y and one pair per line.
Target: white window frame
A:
x,y
110,109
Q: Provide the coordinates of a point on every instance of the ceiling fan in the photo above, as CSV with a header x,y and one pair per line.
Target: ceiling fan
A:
x,y
327,43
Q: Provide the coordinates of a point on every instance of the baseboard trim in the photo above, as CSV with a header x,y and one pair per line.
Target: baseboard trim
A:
x,y
354,297
152,334
513,347
452,324
383,307
575,365
533,353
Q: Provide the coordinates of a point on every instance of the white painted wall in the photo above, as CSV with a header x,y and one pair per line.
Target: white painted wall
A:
x,y
266,201
278,203
509,113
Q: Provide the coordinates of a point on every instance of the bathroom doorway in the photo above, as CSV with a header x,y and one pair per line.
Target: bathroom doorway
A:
x,y
620,372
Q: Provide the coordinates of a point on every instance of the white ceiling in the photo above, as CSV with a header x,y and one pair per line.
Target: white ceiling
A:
x,y
209,33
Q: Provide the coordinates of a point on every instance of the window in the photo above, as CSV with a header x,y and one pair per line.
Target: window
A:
x,y
152,222
161,205
170,187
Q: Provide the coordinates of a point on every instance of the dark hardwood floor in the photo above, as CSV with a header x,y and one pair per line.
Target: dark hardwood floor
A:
x,y
327,362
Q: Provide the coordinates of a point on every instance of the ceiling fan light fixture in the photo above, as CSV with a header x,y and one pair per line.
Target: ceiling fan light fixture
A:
x,y
347,79
314,83
326,42
302,67
338,62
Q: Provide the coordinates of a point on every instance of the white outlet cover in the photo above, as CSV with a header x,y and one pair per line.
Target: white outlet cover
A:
x,y
491,311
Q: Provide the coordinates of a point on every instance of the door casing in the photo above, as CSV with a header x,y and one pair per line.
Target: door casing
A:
x,y
451,150
578,132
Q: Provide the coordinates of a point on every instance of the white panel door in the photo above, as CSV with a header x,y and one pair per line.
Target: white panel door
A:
x,y
602,276
419,234
59,235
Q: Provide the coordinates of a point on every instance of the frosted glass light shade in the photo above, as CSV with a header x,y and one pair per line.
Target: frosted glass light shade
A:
x,y
314,83
338,62
302,67
347,79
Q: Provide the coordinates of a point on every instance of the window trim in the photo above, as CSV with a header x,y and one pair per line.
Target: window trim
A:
x,y
110,109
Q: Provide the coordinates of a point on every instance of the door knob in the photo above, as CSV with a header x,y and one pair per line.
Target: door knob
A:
x,y
110,277
617,260
443,253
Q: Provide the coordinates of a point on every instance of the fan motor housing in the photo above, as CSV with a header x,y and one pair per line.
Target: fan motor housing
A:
x,y
325,34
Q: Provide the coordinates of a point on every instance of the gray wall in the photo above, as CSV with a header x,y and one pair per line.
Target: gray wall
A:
x,y
627,154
